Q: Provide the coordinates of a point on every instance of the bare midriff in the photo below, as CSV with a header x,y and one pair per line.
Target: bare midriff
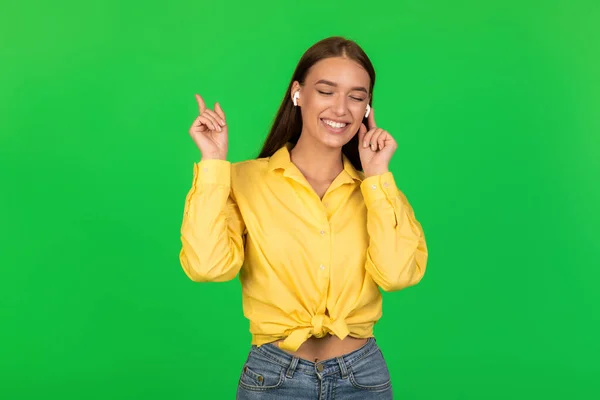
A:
x,y
318,349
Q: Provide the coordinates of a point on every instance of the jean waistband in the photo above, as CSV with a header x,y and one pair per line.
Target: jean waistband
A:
x,y
330,366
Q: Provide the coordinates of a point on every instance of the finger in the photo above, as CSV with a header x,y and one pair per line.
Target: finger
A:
x,y
368,138
214,117
197,125
381,140
374,138
206,120
361,133
371,119
220,112
201,104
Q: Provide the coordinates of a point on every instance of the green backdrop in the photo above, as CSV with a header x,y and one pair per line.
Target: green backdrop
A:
x,y
495,106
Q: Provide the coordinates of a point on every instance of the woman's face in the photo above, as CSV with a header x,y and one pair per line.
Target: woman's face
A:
x,y
333,100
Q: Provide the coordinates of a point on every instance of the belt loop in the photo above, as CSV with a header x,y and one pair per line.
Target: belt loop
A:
x,y
343,368
292,367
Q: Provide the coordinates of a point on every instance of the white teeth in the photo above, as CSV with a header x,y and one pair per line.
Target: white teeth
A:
x,y
334,124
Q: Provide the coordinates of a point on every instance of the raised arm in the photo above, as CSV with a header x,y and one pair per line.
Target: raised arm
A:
x,y
212,231
397,252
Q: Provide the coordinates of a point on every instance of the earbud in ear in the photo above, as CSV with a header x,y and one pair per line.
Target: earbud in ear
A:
x,y
368,111
295,97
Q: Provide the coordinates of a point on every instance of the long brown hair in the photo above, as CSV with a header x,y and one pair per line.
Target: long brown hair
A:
x,y
287,125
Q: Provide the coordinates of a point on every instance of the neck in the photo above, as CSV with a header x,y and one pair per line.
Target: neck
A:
x,y
315,161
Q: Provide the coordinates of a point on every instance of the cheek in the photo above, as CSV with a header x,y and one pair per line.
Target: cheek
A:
x,y
358,113
317,104
358,110
312,109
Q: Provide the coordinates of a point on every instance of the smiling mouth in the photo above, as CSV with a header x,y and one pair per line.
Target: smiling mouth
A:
x,y
334,126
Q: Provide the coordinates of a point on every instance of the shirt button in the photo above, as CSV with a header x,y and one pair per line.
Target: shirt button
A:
x,y
374,187
205,169
386,184
322,233
326,204
322,266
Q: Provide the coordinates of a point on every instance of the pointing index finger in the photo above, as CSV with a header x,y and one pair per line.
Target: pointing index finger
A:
x,y
201,104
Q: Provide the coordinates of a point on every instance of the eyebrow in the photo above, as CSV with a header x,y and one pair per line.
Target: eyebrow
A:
x,y
326,82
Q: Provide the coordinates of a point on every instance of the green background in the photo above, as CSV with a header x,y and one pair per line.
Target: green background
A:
x,y
496,108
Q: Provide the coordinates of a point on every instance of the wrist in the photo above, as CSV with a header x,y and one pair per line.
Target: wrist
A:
x,y
374,172
213,157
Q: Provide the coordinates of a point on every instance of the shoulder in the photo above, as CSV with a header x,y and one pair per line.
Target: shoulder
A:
x,y
242,171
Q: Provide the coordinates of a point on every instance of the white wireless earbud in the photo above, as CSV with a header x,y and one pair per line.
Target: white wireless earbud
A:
x,y
368,111
295,98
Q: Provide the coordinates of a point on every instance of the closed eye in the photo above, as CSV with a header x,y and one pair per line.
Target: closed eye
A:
x,y
330,93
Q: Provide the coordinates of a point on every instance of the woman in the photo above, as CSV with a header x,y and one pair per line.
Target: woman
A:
x,y
315,226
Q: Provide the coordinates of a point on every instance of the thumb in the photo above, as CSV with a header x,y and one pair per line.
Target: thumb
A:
x,y
219,111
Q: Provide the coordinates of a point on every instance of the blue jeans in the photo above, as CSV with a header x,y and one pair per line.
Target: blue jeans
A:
x,y
272,374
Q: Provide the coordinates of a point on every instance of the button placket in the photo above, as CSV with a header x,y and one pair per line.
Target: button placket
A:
x,y
326,250
326,246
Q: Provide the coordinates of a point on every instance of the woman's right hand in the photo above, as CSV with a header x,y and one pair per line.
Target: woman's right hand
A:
x,y
210,132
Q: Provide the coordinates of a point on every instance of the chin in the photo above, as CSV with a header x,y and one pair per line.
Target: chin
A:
x,y
337,143
334,140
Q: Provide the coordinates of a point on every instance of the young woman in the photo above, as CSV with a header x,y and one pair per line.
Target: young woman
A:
x,y
315,227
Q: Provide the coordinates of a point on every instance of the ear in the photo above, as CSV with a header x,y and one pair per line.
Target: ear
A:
x,y
295,88
369,107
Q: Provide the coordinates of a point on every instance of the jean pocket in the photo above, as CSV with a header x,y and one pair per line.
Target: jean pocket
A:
x,y
370,373
259,373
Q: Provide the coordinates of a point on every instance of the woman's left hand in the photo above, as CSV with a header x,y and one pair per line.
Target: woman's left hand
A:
x,y
375,148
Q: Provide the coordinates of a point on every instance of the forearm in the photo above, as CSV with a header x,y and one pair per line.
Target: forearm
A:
x,y
397,253
212,230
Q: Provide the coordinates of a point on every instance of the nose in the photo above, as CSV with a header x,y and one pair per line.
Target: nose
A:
x,y
339,106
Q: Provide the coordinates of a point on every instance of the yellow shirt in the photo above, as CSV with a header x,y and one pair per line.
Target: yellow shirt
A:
x,y
308,267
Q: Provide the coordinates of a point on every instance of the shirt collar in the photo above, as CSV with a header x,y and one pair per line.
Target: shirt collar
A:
x,y
281,160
